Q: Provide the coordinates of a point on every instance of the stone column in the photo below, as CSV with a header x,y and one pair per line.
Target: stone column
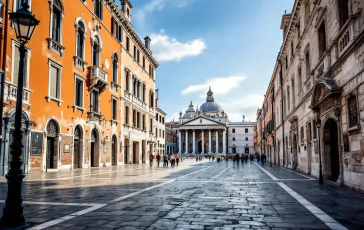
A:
x,y
180,142
194,142
203,143
217,141
210,141
224,142
186,141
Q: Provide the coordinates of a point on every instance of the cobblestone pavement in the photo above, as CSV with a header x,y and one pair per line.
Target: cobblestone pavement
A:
x,y
194,195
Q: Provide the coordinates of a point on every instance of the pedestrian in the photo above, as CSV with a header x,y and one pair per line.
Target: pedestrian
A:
x,y
173,160
237,158
196,158
151,157
177,159
213,157
209,157
158,157
165,161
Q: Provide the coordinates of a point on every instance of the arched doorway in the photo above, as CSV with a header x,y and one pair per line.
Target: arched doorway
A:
x,y
331,150
143,151
136,152
114,150
77,145
94,148
126,151
52,145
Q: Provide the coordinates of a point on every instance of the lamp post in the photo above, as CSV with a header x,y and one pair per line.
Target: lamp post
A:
x,y
24,23
318,125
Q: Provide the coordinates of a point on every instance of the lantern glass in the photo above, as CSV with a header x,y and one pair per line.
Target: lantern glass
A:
x,y
24,23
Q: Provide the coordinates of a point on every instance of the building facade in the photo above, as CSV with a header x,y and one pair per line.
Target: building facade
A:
x,y
171,138
318,87
241,137
160,131
88,98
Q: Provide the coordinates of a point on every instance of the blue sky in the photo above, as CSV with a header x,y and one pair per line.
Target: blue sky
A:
x,y
231,45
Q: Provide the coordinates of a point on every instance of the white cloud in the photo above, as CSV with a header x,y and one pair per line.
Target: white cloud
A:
x,y
166,48
220,85
245,105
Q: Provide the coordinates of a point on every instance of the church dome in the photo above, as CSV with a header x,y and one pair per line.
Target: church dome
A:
x,y
210,105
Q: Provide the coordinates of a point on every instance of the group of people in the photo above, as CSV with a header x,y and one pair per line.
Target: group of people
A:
x,y
173,158
245,157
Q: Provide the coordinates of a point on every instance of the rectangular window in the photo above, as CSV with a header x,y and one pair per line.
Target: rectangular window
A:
x,y
135,52
79,93
126,81
233,130
56,22
127,43
143,62
151,125
322,39
134,118
127,115
299,80
95,101
112,25
55,84
143,123
308,65
343,11
156,132
114,109
120,33
302,135
353,111
98,8
314,128
138,120
15,64
246,130
138,54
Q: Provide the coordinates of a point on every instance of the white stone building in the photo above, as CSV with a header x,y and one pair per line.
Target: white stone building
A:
x,y
318,79
241,137
160,128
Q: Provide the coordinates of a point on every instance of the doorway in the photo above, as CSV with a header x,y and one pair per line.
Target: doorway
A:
x,y
143,151
126,151
52,145
77,156
114,150
294,152
331,150
135,152
94,149
309,148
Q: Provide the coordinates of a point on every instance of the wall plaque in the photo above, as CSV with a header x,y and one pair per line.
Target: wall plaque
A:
x,y
66,148
36,143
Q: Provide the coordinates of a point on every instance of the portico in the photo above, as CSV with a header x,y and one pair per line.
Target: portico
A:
x,y
202,136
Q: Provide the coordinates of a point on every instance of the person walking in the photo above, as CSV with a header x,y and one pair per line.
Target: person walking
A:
x,y
165,161
173,160
151,157
158,157
177,159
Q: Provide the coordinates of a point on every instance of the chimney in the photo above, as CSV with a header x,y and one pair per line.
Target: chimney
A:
x,y
147,42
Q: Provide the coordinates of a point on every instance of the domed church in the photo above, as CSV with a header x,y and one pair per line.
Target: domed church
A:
x,y
203,130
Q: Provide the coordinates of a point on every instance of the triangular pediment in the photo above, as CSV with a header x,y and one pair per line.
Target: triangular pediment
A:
x,y
201,121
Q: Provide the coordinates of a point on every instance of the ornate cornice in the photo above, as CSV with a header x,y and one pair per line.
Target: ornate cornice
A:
x,y
130,30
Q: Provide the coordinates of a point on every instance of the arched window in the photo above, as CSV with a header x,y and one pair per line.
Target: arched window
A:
x,y
81,31
127,80
115,68
78,133
57,11
151,99
96,52
138,89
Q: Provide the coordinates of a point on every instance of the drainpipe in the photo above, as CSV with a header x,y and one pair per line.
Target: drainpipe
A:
x,y
3,68
282,117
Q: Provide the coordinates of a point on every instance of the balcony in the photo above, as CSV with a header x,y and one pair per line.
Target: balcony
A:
x,y
135,99
79,62
98,78
95,116
11,93
55,46
345,38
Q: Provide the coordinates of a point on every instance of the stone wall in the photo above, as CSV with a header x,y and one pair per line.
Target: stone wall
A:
x,y
66,157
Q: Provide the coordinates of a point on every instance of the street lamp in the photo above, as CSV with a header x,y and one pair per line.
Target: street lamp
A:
x,y
318,125
24,23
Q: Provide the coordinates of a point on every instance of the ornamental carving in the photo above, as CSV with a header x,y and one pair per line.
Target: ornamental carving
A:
x,y
325,94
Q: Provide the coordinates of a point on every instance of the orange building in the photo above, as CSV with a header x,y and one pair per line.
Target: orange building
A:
x,y
88,98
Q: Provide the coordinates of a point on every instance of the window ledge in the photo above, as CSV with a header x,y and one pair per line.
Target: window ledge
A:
x,y
55,46
354,128
49,98
75,107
